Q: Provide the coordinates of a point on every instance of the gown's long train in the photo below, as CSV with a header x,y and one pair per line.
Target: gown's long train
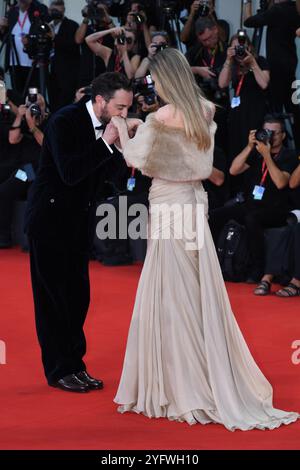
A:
x,y
186,358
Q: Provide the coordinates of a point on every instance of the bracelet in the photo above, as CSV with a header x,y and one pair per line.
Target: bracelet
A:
x,y
33,130
85,21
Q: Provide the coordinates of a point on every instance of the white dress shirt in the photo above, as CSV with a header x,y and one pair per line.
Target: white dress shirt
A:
x,y
96,123
21,28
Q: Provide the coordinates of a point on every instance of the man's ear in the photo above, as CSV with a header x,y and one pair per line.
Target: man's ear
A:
x,y
100,100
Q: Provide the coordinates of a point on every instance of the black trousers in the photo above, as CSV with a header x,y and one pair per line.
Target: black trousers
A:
x,y
11,190
61,291
256,220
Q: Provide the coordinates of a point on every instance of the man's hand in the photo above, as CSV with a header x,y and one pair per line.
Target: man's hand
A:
x,y
152,50
110,134
195,7
3,23
252,140
263,149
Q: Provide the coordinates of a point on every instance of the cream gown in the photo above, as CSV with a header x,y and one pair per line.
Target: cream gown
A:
x,y
186,358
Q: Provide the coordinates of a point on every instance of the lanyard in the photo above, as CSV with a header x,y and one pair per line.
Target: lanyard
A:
x,y
23,22
212,60
239,87
132,172
265,170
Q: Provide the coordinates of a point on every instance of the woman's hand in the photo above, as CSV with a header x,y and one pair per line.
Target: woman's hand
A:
x,y
133,123
119,123
117,31
249,59
231,54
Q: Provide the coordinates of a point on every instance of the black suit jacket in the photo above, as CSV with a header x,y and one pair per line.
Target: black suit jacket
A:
x,y
61,199
66,61
13,16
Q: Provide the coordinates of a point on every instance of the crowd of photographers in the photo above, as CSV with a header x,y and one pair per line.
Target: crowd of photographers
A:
x,y
256,177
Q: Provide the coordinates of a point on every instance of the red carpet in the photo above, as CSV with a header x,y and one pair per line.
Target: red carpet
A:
x,y
34,416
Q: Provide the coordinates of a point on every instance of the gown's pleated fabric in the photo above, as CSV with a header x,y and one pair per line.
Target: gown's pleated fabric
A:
x,y
186,358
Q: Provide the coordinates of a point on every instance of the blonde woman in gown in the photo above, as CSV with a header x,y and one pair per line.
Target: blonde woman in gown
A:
x,y
186,358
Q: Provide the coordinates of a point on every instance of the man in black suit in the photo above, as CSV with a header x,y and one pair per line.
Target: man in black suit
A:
x,y
65,63
13,30
58,222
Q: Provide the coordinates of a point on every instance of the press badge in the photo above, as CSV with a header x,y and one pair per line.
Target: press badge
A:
x,y
21,175
235,102
258,192
131,184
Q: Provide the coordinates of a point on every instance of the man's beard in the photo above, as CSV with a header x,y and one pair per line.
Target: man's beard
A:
x,y
105,116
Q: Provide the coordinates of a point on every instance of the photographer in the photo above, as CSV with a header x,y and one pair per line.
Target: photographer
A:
x,y
249,77
120,59
282,21
17,25
268,165
292,289
26,135
159,41
95,18
137,21
206,60
64,64
200,8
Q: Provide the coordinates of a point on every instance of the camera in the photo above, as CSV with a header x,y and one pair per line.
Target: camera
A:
x,y
32,95
6,113
121,39
145,86
39,39
35,110
203,11
93,12
211,87
265,135
31,103
241,49
139,19
160,47
170,8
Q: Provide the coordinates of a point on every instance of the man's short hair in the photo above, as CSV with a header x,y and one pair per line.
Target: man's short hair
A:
x,y
272,119
108,83
204,23
58,3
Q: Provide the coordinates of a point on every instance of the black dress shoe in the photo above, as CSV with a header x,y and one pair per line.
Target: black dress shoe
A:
x,y
92,383
71,383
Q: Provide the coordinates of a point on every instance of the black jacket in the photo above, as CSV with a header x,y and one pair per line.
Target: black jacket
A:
x,y
282,21
60,204
66,61
13,16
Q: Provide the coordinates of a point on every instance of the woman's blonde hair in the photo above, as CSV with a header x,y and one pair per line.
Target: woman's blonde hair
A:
x,y
180,89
